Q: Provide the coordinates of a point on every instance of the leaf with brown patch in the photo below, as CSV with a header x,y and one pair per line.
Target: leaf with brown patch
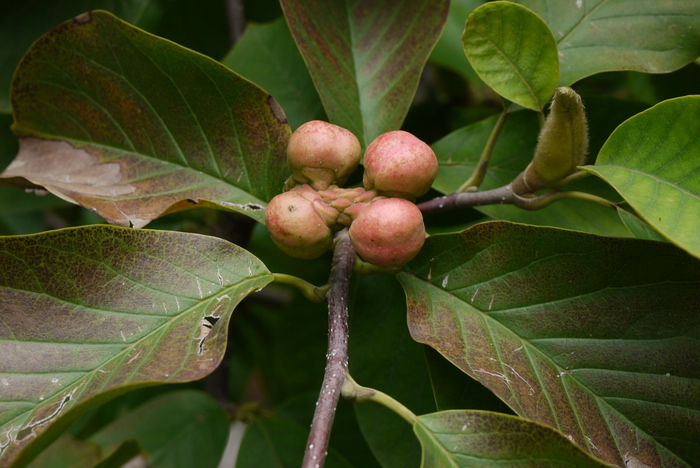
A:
x,y
594,336
88,313
366,57
133,126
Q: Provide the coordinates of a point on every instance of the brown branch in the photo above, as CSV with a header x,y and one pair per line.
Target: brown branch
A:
x,y
499,196
337,357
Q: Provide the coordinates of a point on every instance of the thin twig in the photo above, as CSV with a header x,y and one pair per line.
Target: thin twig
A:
x,y
501,195
337,358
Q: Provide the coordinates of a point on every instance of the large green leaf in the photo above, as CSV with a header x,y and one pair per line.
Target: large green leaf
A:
x,y
593,36
277,442
134,126
458,155
514,52
366,57
90,312
653,161
178,429
594,336
266,55
383,356
480,438
25,21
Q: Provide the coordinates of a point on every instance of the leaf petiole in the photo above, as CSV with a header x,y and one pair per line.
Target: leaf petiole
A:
x,y
352,391
310,291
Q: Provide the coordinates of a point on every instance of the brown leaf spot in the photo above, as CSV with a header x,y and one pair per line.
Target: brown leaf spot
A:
x,y
63,169
276,109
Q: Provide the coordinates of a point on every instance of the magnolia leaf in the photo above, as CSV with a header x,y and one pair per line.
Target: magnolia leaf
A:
x,y
88,313
22,25
182,428
284,75
458,156
279,442
480,438
594,336
637,227
652,161
366,58
596,36
133,126
514,52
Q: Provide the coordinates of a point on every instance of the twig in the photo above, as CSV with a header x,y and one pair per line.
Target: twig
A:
x,y
337,358
501,195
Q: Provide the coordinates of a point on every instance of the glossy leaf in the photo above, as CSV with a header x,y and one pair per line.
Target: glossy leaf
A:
x,y
594,336
513,51
182,428
133,126
458,155
366,57
652,161
284,74
595,36
383,356
480,438
91,312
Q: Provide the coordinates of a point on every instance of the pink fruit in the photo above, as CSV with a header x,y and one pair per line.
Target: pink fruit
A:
x,y
388,232
397,164
296,226
322,154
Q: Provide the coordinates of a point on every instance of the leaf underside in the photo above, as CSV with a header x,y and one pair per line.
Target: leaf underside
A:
x,y
596,337
133,126
481,438
366,58
91,312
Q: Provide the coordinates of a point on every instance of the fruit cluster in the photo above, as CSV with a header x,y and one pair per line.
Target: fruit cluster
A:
x,y
385,226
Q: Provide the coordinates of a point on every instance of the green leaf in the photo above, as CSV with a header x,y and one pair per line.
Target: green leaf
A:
x,y
458,155
594,336
279,443
637,227
514,52
383,356
266,55
23,24
182,428
652,161
133,126
596,36
366,58
88,313
67,452
479,438
448,51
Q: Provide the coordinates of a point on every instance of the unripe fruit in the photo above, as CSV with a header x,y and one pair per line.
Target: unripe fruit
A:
x,y
388,232
322,154
397,164
296,227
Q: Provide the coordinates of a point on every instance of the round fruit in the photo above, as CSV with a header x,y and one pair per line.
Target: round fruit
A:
x,y
322,154
388,232
397,164
296,227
